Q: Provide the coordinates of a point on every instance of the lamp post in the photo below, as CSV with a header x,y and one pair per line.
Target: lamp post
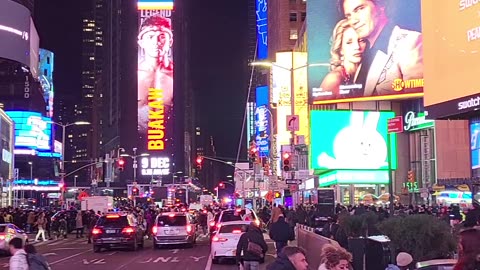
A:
x,y
62,164
31,177
75,181
134,157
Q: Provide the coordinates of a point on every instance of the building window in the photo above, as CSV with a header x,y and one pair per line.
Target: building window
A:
x,y
45,72
293,34
48,60
293,16
304,16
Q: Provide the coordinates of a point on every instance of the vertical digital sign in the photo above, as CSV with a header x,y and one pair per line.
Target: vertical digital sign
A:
x,y
261,10
262,121
155,86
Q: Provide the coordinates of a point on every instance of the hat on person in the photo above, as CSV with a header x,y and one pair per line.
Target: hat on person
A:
x,y
404,259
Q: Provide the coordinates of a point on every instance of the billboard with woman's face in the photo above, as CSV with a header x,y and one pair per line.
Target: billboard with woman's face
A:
x,y
364,50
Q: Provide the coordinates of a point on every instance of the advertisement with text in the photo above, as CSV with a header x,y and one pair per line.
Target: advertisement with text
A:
x,y
155,89
351,140
452,42
364,50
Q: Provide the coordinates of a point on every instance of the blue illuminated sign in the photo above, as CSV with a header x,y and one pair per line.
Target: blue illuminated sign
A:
x,y
262,29
32,131
35,182
262,121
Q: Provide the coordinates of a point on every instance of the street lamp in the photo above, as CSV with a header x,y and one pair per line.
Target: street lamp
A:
x,y
31,177
62,164
75,181
134,157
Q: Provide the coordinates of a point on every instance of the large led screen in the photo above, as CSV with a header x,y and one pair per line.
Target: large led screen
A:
x,y
364,50
351,140
452,42
32,131
262,121
261,10
155,87
15,32
475,144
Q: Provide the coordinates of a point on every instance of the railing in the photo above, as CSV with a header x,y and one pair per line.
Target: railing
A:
x,y
312,243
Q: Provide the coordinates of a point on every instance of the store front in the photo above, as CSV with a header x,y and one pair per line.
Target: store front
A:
x,y
357,186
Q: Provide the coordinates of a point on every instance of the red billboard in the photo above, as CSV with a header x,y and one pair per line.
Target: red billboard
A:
x,y
155,90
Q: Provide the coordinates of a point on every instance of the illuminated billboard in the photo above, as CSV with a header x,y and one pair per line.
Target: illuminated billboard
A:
x,y
261,10
451,56
155,85
475,144
33,132
262,121
351,140
364,50
46,78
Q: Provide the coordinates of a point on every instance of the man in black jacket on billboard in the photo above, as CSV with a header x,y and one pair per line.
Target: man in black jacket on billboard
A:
x,y
250,260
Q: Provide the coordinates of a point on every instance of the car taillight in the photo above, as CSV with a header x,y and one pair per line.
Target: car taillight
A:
x,y
236,231
189,228
2,237
154,230
219,225
257,222
96,231
128,230
212,223
219,239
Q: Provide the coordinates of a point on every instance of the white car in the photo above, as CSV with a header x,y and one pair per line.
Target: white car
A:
x,y
224,242
8,231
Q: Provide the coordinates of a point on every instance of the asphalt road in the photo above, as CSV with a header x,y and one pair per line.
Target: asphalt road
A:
x,y
73,254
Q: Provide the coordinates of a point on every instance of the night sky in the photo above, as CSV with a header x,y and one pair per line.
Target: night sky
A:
x,y
218,60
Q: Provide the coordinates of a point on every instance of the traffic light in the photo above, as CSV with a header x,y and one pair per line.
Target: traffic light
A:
x,y
277,195
135,191
121,164
199,162
253,152
221,185
287,161
410,177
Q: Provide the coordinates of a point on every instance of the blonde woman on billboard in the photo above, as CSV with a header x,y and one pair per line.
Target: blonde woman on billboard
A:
x,y
346,52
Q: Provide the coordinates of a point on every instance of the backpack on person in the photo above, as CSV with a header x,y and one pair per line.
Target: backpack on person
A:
x,y
37,262
255,248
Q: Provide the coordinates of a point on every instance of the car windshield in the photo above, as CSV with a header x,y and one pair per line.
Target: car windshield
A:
x,y
168,221
120,221
230,216
234,228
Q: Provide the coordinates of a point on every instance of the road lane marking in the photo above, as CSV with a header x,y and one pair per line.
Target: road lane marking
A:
x,y
68,248
111,253
69,257
209,262
197,258
49,254
174,251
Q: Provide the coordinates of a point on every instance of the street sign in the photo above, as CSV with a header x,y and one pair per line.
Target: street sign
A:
x,y
293,123
293,181
395,124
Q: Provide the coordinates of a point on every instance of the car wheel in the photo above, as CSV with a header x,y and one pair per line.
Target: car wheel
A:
x,y
97,249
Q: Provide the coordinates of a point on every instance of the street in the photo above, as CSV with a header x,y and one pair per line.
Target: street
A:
x,y
72,254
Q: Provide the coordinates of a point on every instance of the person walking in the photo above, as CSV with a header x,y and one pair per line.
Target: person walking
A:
x,y
281,233
18,261
41,223
35,260
253,246
79,224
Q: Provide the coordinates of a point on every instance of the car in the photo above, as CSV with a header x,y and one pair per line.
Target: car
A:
x,y
70,216
8,231
441,264
232,215
224,242
117,230
172,228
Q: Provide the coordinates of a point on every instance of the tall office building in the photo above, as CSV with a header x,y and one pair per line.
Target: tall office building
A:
x,y
30,4
285,21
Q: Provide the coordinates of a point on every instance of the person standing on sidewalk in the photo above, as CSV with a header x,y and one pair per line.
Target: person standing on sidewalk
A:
x,y
253,246
281,233
41,223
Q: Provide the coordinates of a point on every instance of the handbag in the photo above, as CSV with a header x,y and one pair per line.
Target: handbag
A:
x,y
255,248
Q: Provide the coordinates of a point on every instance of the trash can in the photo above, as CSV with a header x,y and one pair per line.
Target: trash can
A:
x,y
377,252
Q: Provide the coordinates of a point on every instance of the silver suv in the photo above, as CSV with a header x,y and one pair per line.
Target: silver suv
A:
x,y
173,228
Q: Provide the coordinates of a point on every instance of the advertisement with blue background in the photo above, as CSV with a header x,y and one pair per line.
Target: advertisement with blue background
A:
x,y
475,144
261,9
351,140
349,62
262,121
32,131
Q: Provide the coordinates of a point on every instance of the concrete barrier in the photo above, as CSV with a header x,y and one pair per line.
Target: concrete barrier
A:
x,y
312,243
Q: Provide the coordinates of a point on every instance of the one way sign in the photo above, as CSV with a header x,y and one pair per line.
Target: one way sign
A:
x,y
292,123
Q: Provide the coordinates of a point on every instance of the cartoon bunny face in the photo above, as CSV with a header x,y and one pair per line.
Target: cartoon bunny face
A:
x,y
359,145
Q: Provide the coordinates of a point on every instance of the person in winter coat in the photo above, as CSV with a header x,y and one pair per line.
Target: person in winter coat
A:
x,y
469,250
334,258
291,258
250,260
79,224
281,233
36,261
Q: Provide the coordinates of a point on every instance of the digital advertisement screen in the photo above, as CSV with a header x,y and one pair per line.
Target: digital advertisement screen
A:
x,y
351,140
475,144
261,10
15,32
155,83
364,50
262,121
451,55
46,78
32,131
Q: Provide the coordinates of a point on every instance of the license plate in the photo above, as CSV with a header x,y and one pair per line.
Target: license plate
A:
x,y
171,232
110,231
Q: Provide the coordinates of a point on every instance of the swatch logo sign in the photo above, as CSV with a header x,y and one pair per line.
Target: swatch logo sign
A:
x,y
473,102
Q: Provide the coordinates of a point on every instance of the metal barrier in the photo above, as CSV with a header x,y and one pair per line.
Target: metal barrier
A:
x,y
312,243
